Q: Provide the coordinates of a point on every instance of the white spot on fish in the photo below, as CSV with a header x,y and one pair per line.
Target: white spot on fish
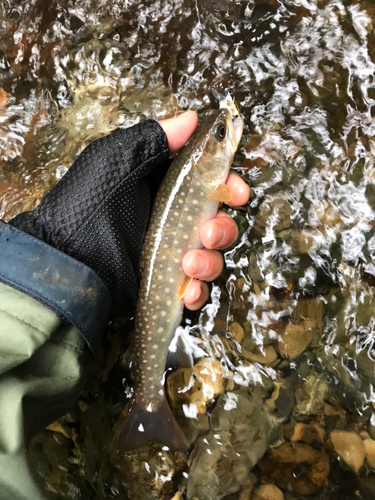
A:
x,y
154,316
171,280
169,302
141,428
163,313
189,218
160,329
155,346
167,290
185,236
195,202
153,356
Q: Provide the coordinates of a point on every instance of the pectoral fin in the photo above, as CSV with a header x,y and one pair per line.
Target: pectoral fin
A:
x,y
179,353
222,193
185,286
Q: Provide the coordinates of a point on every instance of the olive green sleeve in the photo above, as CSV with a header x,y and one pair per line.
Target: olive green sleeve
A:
x,y
41,375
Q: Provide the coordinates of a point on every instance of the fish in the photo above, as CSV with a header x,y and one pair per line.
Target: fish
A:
x,y
188,197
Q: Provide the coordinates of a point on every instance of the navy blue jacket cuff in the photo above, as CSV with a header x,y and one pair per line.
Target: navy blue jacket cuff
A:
x,y
68,287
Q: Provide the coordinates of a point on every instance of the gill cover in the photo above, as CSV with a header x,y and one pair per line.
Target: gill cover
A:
x,y
212,162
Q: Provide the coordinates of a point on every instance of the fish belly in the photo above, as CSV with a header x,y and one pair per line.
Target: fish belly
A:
x,y
173,231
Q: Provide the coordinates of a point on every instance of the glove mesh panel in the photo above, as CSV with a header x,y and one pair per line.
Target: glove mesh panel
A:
x,y
99,210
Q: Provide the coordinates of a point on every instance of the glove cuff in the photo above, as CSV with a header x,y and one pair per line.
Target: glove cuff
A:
x,y
68,287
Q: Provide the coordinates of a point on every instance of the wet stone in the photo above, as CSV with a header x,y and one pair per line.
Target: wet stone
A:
x,y
305,433
350,447
268,492
370,452
265,355
222,459
296,338
237,331
310,397
296,467
275,212
197,385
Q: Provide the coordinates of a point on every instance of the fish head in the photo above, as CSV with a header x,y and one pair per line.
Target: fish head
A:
x,y
213,161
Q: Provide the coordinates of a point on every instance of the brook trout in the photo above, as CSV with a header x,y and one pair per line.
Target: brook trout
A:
x,y
181,207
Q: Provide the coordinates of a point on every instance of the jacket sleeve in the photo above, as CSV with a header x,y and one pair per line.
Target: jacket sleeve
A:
x,y
53,311
41,375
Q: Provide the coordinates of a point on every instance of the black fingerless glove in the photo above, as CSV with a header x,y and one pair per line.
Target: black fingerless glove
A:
x,y
98,212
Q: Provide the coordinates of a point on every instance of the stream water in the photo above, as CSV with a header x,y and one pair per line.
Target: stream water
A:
x,y
280,403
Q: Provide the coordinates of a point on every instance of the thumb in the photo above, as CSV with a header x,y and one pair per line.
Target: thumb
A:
x,y
179,130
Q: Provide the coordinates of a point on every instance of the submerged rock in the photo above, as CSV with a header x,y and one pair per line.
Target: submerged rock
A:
x,y
240,433
268,492
296,339
370,452
196,386
296,467
350,447
306,433
275,212
310,397
265,355
237,331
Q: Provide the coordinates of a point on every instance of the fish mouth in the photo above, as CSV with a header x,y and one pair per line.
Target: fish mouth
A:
x,y
228,102
238,125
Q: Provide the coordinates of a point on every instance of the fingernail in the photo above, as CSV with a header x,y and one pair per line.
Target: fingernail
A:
x,y
197,264
217,235
192,294
181,115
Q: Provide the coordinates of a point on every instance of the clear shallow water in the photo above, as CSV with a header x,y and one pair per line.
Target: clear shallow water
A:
x,y
290,324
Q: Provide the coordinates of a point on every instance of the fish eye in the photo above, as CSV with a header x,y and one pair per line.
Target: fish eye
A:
x,y
219,131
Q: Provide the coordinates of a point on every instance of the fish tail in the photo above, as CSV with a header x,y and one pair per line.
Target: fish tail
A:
x,y
142,426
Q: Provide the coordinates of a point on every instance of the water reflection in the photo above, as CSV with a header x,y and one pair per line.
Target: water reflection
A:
x,y
284,350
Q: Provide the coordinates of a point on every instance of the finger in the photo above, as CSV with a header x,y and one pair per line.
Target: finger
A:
x,y
218,233
203,264
179,129
241,191
196,295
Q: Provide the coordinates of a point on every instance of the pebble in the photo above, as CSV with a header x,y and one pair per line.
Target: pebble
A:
x,y
350,447
296,338
268,492
370,452
296,467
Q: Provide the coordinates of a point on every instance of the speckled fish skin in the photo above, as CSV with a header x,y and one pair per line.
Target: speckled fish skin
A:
x,y
181,208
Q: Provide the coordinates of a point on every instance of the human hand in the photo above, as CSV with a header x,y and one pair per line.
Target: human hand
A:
x,y
218,233
99,210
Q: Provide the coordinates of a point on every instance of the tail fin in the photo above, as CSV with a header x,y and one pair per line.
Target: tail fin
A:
x,y
142,426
